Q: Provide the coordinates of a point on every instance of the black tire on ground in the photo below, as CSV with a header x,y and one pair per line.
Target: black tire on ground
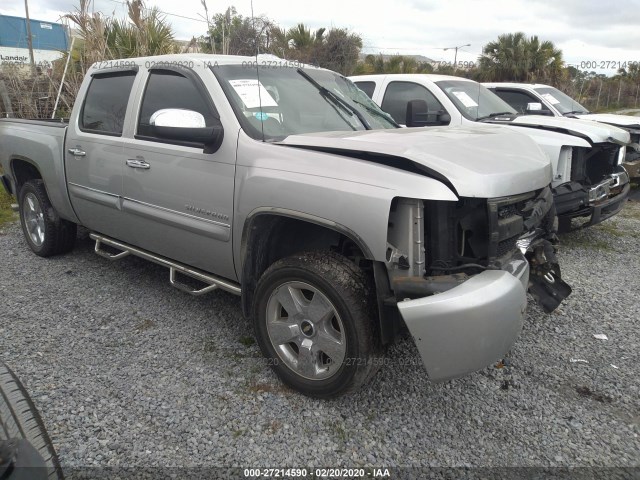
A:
x,y
19,420
59,234
351,294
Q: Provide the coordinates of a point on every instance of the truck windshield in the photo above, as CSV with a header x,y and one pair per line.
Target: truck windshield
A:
x,y
288,101
560,101
474,101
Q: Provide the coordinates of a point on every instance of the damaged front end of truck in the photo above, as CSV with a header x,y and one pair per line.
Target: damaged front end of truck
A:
x,y
472,235
460,280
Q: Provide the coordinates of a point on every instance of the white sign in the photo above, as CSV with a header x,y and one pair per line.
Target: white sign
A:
x,y
550,98
253,93
466,100
20,56
46,26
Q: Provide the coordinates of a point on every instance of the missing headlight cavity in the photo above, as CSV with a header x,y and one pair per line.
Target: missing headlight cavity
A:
x,y
591,166
477,233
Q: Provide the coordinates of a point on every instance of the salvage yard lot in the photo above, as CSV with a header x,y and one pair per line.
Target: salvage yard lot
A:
x,y
127,371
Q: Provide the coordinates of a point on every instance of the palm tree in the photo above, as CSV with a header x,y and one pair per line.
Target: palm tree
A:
x,y
144,33
305,43
515,57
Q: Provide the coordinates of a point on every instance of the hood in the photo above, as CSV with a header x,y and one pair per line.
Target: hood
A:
x,y
624,121
593,131
478,162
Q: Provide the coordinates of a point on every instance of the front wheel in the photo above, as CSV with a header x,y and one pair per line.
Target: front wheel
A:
x,y
314,320
46,233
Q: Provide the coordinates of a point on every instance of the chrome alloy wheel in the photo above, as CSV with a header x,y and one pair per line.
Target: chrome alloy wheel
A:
x,y
306,331
34,219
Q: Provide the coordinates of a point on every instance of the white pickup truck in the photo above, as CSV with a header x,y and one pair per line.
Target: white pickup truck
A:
x,y
286,185
589,182
539,99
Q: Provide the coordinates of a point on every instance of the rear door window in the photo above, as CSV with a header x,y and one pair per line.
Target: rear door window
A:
x,y
367,87
106,102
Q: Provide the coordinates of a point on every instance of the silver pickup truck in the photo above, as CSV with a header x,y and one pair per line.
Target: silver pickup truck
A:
x,y
287,185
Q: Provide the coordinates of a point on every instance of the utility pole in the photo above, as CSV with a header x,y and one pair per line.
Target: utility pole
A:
x,y
29,39
619,92
455,58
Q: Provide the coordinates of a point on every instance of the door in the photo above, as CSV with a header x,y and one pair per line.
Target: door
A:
x,y
178,196
94,152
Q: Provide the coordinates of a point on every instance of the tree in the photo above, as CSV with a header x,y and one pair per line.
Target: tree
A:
x,y
515,57
392,64
232,34
339,50
145,32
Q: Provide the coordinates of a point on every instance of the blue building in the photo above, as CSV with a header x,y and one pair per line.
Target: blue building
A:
x,y
49,40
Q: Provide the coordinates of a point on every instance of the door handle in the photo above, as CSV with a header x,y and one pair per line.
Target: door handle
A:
x,y
76,152
138,163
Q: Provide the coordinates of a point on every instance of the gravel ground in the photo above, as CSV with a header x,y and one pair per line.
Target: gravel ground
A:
x,y
127,371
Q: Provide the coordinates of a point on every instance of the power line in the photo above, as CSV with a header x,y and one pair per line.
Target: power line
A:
x,y
165,13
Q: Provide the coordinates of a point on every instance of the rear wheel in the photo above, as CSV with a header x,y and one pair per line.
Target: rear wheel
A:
x,y
46,233
314,320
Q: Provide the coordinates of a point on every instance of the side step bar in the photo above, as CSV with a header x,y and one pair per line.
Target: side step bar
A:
x,y
212,281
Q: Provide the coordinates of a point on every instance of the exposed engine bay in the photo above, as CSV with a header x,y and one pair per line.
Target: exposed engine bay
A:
x,y
452,241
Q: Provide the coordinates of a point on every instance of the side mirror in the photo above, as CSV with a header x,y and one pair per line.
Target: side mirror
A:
x,y
185,125
537,109
418,115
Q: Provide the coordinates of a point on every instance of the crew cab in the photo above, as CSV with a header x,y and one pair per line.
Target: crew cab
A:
x,y
539,99
589,183
285,184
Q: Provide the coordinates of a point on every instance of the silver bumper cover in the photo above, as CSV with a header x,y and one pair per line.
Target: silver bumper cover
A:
x,y
472,325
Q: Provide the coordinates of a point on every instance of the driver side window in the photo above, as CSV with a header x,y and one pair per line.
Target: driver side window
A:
x,y
517,100
399,94
169,89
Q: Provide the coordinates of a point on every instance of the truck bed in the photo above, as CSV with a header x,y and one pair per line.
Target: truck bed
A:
x,y
37,142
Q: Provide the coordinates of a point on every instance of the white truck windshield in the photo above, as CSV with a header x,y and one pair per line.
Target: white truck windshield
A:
x,y
561,102
474,101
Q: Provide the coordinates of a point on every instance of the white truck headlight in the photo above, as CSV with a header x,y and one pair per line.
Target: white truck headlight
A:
x,y
621,154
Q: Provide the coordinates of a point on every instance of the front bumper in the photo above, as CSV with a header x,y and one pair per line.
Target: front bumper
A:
x,y
469,326
598,203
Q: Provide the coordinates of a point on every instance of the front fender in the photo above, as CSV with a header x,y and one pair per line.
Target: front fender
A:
x,y
332,189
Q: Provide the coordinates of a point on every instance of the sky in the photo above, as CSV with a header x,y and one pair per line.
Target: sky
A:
x,y
586,30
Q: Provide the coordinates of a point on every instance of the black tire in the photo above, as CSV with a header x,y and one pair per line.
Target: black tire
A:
x,y
19,420
350,292
59,234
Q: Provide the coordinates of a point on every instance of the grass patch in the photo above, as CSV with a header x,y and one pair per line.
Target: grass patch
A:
x,y
263,387
583,241
145,324
6,214
247,341
610,228
631,210
340,432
